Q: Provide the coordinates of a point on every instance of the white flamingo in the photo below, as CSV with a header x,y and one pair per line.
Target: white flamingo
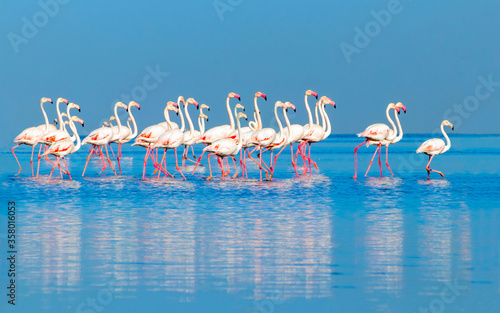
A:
x,y
190,136
226,147
436,146
31,136
123,134
173,138
151,134
386,143
63,148
377,132
102,137
263,138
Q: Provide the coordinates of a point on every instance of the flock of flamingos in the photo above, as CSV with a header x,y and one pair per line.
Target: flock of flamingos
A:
x,y
224,141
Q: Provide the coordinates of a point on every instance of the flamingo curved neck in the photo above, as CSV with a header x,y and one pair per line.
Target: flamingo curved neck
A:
x,y
44,116
287,121
75,133
200,126
134,133
257,114
59,116
183,125
118,120
190,123
394,130
400,129
167,117
309,115
277,118
231,119
448,142
328,125
322,112
316,114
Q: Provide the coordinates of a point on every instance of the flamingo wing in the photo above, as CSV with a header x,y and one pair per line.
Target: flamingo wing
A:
x,y
432,146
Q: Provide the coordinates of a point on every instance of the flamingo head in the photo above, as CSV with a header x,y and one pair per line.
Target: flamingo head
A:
x,y
327,100
242,115
239,106
59,100
204,116
172,106
447,123
105,124
46,100
393,106
401,106
74,105
134,104
312,93
129,119
289,105
260,94
75,118
181,99
204,106
280,104
192,101
120,104
234,95
112,118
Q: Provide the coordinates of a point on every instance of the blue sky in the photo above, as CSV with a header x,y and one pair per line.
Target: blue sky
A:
x,y
431,56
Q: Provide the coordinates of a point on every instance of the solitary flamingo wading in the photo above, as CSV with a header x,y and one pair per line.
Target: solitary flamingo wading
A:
x,y
436,146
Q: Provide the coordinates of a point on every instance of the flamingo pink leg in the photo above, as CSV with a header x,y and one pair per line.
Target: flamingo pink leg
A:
x,y
379,162
31,161
387,159
145,162
50,176
221,164
235,168
209,166
111,148
371,161
431,170
88,158
275,159
259,164
67,170
177,165
197,163
109,161
293,163
20,168
118,157
227,164
356,159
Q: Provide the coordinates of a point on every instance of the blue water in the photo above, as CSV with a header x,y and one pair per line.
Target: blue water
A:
x,y
325,243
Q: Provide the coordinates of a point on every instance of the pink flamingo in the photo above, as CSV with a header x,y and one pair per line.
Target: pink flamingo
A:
x,y
386,143
281,140
226,147
263,138
101,137
173,138
123,134
151,134
63,148
190,136
436,146
218,132
297,132
31,136
377,132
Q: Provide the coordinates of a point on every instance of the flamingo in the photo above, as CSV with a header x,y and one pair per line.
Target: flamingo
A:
x,y
314,132
281,140
436,146
247,131
31,136
101,137
226,147
377,132
190,136
298,131
63,148
60,134
123,134
263,138
151,134
218,132
173,138
386,143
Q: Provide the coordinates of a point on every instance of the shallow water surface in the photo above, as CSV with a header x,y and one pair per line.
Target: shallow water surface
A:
x,y
325,243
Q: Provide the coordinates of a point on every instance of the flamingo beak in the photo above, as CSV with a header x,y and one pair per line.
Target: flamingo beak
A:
x,y
237,97
452,127
334,104
264,96
404,109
